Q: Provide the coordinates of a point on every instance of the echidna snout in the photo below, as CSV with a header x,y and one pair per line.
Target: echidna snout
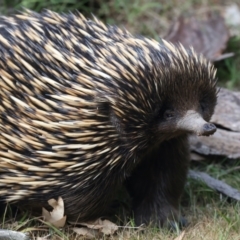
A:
x,y
193,122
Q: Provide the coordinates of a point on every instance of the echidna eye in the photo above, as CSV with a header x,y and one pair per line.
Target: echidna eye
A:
x,y
168,114
202,106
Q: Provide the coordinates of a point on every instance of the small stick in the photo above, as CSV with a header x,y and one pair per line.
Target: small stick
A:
x,y
213,183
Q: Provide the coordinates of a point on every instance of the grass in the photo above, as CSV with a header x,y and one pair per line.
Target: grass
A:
x,y
229,69
211,215
56,5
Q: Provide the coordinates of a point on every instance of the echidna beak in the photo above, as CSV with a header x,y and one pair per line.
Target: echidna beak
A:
x,y
193,122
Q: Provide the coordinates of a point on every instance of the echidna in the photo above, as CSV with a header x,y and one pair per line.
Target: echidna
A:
x,y
87,108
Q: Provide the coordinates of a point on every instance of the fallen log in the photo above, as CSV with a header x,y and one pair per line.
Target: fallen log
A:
x,y
226,141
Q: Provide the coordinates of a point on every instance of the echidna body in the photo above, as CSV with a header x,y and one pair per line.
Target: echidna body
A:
x,y
86,108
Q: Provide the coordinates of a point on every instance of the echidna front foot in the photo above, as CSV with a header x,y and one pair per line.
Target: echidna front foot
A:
x,y
164,216
157,183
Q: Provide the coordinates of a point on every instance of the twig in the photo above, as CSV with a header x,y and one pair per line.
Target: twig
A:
x,y
213,183
224,56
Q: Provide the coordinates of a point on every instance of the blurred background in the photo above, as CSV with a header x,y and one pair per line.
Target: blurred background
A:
x,y
160,19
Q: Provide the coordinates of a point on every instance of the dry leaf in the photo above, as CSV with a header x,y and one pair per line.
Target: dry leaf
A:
x,y
86,232
109,228
56,217
180,237
196,157
55,237
96,228
104,226
208,35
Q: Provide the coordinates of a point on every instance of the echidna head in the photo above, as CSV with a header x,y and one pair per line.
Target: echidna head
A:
x,y
188,95
174,93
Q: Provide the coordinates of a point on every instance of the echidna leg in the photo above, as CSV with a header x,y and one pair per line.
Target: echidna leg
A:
x,y
157,183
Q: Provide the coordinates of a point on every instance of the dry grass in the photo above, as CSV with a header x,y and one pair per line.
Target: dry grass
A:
x,y
211,216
